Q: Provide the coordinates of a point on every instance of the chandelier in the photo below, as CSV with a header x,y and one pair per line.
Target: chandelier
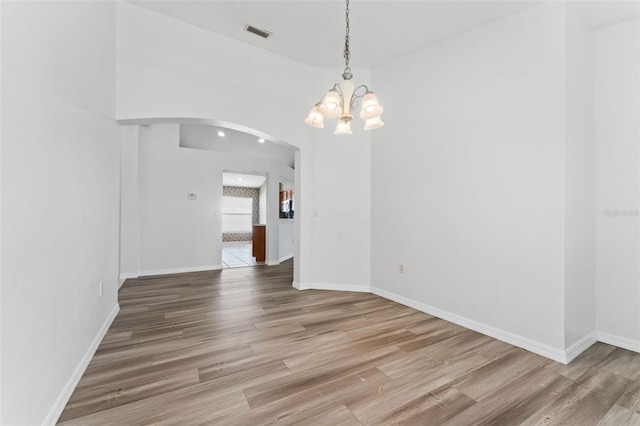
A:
x,y
343,99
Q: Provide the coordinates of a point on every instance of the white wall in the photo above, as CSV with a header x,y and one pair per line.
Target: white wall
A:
x,y
286,239
579,223
341,235
60,192
129,203
273,221
617,97
468,179
1,222
177,233
262,204
167,68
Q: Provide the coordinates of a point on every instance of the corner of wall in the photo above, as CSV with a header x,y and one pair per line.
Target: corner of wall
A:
x,y
580,346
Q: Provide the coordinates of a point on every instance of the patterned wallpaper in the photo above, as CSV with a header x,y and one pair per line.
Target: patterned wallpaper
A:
x,y
236,191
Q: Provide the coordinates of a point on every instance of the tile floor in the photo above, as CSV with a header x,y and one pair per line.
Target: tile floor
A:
x,y
237,255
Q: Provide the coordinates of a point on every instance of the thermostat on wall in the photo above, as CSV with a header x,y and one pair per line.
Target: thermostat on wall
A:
x,y
192,196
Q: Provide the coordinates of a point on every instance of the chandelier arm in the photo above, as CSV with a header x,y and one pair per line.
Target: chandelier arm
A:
x,y
355,98
362,86
355,102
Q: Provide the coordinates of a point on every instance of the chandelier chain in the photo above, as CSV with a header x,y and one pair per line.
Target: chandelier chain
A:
x,y
347,51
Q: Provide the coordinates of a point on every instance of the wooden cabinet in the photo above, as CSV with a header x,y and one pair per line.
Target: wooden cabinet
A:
x,y
259,242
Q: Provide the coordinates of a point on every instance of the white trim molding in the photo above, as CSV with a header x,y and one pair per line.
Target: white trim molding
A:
x,y
580,346
179,270
619,341
127,275
287,257
555,354
506,336
67,391
331,286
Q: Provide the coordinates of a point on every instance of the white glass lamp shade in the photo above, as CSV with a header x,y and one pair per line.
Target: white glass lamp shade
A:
x,y
370,107
331,104
373,123
315,118
343,128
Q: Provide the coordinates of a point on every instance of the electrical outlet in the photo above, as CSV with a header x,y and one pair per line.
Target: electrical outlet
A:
x,y
100,288
402,268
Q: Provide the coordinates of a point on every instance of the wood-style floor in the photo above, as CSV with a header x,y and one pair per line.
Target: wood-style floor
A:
x,y
242,347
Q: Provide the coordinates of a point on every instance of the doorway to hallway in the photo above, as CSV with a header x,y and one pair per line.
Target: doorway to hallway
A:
x,y
243,210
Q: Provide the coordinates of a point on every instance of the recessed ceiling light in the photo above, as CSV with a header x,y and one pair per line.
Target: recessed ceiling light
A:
x,y
221,133
261,140
240,179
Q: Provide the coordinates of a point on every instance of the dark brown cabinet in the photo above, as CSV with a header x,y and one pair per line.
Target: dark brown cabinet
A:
x,y
259,242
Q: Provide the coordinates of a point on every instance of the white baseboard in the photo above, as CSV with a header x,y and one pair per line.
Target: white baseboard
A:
x,y
127,275
508,337
330,286
580,346
559,355
180,270
287,257
63,398
619,341
271,263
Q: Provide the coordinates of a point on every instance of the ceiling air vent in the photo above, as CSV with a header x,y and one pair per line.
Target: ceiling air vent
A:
x,y
257,31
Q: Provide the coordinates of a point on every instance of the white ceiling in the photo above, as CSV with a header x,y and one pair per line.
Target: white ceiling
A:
x,y
242,180
198,136
312,32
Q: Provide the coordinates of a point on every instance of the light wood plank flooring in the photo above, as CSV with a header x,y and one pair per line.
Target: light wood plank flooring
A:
x,y
242,347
